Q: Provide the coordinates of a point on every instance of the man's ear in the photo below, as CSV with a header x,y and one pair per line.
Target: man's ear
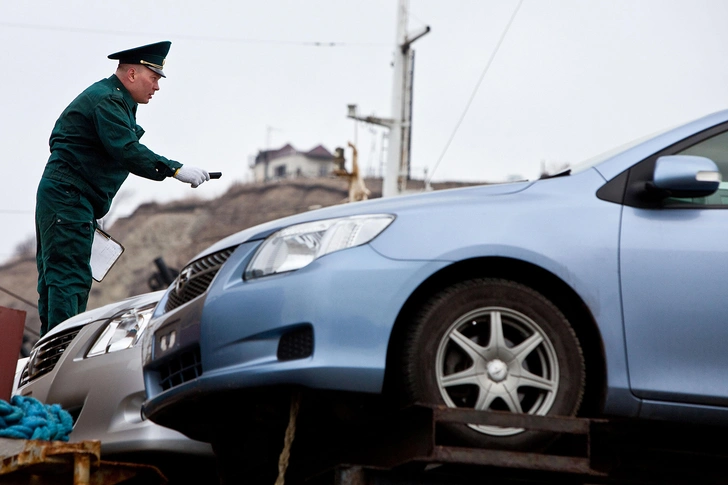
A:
x,y
131,74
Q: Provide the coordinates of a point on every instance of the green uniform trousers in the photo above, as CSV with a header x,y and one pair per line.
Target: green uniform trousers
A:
x,y
64,228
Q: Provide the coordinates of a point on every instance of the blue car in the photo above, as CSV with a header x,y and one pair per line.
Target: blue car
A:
x,y
590,292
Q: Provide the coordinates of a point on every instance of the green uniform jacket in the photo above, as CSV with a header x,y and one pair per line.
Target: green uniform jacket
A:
x,y
95,145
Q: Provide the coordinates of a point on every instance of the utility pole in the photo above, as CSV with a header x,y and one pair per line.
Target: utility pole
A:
x,y
400,124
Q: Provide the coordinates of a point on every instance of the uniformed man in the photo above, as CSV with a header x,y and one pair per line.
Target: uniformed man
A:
x,y
94,146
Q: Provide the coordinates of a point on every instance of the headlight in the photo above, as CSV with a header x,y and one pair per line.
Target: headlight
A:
x,y
122,331
296,246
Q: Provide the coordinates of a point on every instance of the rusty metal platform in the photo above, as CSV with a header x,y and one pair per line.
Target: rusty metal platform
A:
x,y
406,449
54,462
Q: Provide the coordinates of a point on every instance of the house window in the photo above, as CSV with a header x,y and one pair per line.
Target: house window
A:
x,y
280,171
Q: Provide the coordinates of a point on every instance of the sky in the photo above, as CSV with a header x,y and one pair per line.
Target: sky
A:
x,y
502,88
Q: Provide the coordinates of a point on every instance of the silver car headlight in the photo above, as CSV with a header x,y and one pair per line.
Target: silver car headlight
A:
x,y
122,331
296,246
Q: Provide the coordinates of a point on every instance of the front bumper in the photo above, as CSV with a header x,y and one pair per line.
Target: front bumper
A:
x,y
336,314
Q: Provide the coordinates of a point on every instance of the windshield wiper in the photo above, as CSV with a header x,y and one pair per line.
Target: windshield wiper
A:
x,y
563,173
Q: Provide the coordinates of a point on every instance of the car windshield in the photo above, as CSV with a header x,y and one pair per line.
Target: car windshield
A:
x,y
591,162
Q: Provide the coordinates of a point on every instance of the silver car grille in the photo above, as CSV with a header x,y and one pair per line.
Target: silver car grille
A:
x,y
45,355
195,278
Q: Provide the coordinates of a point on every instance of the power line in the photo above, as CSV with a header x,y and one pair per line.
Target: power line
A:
x,y
239,40
477,86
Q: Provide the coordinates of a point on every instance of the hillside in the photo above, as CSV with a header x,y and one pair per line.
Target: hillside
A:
x,y
177,231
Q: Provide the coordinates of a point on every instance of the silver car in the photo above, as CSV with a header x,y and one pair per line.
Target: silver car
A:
x,y
91,365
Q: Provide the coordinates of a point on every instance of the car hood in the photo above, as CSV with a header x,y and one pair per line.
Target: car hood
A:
x,y
104,312
390,205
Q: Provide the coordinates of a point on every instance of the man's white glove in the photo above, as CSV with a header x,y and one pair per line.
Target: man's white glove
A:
x,y
191,175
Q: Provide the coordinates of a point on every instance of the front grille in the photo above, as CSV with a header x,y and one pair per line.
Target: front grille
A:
x,y
185,366
296,344
195,278
45,355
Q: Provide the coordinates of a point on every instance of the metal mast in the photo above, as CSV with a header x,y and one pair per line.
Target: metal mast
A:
x,y
400,124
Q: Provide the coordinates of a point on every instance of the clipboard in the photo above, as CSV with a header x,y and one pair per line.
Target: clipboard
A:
x,y
105,251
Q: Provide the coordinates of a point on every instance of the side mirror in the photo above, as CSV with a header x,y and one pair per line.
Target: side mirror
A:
x,y
686,176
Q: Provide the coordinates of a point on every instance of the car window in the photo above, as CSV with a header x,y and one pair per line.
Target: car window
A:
x,y
715,148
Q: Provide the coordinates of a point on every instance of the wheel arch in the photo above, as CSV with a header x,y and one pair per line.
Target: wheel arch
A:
x,y
549,285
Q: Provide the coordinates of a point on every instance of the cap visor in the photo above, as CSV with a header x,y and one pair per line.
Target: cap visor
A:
x,y
158,71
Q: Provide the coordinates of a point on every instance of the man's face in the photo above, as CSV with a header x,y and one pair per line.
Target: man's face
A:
x,y
146,83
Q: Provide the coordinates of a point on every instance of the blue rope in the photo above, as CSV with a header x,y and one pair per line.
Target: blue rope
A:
x,y
27,418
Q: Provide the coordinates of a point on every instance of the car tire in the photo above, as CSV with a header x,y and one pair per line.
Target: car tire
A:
x,y
493,344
